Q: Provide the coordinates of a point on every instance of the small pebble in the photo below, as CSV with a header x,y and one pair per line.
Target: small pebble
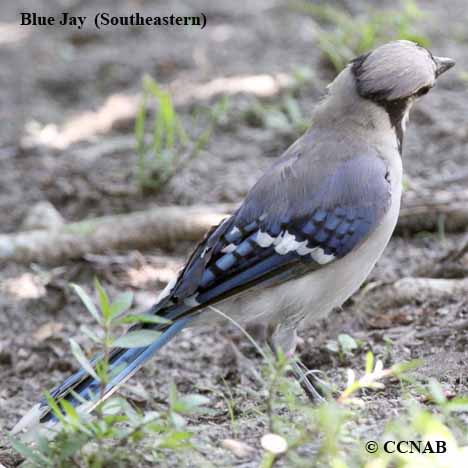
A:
x,y
274,443
238,448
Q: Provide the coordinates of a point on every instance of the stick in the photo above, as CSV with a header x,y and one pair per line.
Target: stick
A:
x,y
432,211
161,226
155,227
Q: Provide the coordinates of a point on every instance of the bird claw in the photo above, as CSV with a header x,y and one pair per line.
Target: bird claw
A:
x,y
314,387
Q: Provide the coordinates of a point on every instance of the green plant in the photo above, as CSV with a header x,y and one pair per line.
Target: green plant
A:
x,y
105,437
344,36
284,117
169,146
282,113
463,77
293,431
344,346
328,435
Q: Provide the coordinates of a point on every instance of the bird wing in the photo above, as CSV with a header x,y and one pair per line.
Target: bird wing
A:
x,y
297,218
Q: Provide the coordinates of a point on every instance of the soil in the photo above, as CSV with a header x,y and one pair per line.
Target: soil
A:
x,y
54,80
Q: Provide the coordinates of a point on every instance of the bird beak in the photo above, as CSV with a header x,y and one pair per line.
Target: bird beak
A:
x,y
443,64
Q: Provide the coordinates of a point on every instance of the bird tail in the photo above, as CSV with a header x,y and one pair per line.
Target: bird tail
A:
x,y
83,391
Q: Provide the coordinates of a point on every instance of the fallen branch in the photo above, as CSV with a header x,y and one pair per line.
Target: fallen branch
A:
x,y
407,290
410,289
433,211
161,226
441,332
155,227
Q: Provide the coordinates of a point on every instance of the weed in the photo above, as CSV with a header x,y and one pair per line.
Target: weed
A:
x,y
344,36
463,76
345,346
282,114
105,438
169,145
297,433
328,434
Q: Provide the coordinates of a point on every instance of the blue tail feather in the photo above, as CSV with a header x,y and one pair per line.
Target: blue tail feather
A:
x,y
81,386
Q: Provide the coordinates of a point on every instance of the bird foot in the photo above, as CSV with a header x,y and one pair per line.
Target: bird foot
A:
x,y
314,387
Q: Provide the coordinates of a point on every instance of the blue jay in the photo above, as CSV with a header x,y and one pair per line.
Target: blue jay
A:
x,y
309,231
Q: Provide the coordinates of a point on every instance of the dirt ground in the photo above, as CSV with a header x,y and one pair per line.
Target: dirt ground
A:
x,y
60,88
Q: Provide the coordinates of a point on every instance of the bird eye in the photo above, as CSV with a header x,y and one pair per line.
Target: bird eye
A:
x,y
424,90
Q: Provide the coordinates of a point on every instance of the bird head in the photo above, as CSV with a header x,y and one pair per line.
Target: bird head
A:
x,y
398,70
378,88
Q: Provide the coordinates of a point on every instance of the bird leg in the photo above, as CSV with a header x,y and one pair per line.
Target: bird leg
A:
x,y
286,340
313,386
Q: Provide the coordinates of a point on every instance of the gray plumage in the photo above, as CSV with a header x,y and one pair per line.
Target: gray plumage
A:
x,y
312,228
389,71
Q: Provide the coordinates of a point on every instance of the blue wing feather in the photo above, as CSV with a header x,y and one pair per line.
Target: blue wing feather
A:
x,y
340,213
